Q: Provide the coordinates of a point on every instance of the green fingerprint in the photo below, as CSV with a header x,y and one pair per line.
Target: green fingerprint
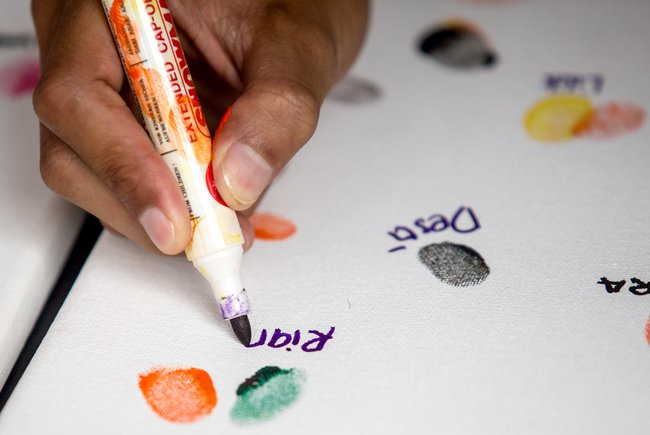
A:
x,y
266,393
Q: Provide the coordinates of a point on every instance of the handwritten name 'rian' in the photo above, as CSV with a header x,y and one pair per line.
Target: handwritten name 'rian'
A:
x,y
315,343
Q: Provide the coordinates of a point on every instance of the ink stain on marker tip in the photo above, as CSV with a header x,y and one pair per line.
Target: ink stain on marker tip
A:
x,y
454,264
265,394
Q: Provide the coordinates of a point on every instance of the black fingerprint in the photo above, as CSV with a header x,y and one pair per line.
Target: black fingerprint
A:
x,y
454,264
458,47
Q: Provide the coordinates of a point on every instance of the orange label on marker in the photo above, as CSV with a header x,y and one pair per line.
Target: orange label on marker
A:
x,y
164,90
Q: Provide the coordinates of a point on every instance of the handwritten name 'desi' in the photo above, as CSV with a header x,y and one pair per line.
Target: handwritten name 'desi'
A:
x,y
463,221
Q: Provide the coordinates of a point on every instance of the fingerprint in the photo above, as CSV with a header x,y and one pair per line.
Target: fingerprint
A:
x,y
355,90
458,45
454,264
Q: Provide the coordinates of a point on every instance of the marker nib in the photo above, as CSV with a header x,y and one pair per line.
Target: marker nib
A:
x,y
242,329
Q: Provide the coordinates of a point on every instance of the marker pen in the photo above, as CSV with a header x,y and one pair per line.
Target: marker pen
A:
x,y
159,76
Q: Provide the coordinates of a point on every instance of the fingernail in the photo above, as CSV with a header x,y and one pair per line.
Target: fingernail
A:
x,y
159,229
245,173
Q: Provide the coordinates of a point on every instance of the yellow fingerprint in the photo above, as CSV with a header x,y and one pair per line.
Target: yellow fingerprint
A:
x,y
558,118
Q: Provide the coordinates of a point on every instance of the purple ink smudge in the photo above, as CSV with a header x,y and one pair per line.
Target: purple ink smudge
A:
x,y
235,305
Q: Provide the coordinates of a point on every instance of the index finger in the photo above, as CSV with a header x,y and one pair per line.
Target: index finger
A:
x,y
78,99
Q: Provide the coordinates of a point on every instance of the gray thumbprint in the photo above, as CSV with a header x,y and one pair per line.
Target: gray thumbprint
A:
x,y
454,264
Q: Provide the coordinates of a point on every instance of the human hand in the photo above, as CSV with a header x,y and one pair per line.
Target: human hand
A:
x,y
272,62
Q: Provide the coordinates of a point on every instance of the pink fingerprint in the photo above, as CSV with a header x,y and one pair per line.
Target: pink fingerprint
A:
x,y
19,78
613,119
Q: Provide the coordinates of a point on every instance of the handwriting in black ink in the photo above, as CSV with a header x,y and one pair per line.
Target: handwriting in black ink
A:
x,y
639,287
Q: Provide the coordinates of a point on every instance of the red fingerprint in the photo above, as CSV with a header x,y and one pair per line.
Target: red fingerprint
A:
x,y
268,226
647,331
613,119
179,395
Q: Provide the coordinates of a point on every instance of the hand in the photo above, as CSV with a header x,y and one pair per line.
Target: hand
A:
x,y
272,61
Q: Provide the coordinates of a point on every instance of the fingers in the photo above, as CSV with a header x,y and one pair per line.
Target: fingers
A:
x,y
46,15
78,101
296,53
247,230
265,128
66,174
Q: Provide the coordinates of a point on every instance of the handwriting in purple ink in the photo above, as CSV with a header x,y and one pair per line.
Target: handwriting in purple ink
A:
x,y
463,221
315,340
574,83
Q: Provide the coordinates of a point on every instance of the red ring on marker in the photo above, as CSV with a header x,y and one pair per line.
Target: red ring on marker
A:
x,y
212,188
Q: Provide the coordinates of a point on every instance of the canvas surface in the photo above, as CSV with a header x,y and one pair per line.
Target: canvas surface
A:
x,y
36,227
481,313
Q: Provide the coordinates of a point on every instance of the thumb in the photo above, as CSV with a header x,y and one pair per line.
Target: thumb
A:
x,y
258,135
285,81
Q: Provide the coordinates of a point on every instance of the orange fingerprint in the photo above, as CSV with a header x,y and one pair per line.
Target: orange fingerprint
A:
x,y
647,331
179,395
268,226
613,119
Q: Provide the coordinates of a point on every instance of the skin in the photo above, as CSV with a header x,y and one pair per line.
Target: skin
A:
x,y
272,61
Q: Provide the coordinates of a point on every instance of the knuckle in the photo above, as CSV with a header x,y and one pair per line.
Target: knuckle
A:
x,y
124,176
62,95
295,102
277,15
55,164
320,43
48,97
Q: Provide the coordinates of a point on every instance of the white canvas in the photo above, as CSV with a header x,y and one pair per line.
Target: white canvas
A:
x,y
37,228
538,347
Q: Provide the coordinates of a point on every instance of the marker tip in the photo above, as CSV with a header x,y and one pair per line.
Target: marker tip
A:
x,y
242,329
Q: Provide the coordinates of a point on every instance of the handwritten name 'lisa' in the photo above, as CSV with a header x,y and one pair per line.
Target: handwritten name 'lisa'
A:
x,y
463,221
